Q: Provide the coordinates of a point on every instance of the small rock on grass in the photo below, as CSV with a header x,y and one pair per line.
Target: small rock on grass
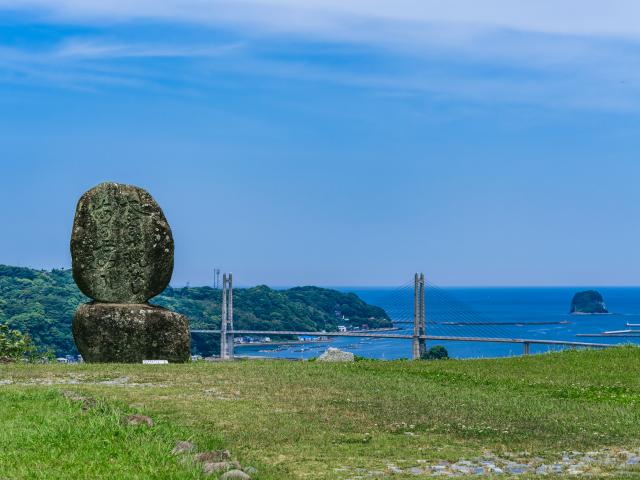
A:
x,y
250,470
137,420
235,475
87,402
182,447
213,456
216,467
336,355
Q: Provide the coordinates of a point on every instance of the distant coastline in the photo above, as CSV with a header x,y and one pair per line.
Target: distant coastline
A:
x,y
279,343
594,313
310,341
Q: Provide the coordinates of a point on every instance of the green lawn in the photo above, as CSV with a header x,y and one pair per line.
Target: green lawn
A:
x,y
294,420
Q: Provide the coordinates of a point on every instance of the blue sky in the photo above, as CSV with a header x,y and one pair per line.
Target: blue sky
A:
x,y
333,143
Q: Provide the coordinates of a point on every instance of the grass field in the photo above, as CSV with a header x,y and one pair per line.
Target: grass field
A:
x,y
309,420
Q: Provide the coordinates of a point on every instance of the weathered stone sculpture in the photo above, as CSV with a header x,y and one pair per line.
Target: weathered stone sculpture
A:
x,y
130,333
122,255
121,245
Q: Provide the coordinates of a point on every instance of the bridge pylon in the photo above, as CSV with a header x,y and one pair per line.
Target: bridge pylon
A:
x,y
226,326
419,346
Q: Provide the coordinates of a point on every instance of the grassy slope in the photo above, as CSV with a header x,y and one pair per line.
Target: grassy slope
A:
x,y
304,420
45,436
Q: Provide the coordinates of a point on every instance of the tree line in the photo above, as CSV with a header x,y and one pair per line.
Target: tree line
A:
x,y
41,303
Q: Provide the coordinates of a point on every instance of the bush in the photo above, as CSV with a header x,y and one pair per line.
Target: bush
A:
x,y
15,345
437,352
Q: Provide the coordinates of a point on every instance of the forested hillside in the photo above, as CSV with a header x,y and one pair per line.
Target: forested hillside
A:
x,y
42,304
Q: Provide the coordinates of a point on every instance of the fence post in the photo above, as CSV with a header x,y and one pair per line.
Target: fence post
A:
x,y
526,348
416,319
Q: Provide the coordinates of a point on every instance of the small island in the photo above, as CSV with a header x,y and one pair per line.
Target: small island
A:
x,y
588,303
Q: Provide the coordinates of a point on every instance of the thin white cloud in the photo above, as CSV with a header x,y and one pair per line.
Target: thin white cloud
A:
x,y
617,18
529,32
92,65
579,52
95,49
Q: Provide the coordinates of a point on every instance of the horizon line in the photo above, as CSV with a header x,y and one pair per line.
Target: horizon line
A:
x,y
337,286
278,287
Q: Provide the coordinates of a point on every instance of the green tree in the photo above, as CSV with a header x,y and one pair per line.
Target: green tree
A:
x,y
14,344
437,352
42,303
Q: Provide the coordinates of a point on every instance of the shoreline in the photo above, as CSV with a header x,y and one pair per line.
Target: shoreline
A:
x,y
306,342
277,343
594,313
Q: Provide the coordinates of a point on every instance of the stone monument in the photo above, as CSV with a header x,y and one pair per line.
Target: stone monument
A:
x,y
122,256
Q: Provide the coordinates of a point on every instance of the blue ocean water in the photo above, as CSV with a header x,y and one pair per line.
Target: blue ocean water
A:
x,y
481,312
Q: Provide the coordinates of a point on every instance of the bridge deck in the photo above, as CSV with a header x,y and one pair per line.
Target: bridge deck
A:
x,y
410,337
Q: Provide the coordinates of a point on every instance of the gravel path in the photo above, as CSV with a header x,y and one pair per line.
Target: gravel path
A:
x,y
601,463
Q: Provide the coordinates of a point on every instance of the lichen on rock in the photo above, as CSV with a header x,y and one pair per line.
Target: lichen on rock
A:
x,y
122,254
121,245
130,333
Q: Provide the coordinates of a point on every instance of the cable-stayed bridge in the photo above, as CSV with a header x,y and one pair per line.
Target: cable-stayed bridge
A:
x,y
421,312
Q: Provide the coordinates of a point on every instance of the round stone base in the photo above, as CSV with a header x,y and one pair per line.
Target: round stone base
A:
x,y
116,333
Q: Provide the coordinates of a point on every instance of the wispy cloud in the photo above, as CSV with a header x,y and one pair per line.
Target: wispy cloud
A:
x,y
94,64
95,49
566,17
573,52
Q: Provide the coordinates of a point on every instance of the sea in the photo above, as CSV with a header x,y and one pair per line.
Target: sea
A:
x,y
528,313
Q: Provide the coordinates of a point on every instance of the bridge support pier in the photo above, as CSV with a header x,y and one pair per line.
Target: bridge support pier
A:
x,y
223,319
422,343
419,345
415,346
226,326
